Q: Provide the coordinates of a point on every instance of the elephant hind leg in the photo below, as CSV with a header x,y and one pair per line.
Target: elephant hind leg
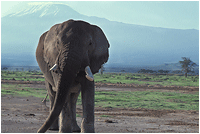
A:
x,y
67,116
65,125
51,94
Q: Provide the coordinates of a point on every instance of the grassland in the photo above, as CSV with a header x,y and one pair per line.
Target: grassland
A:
x,y
22,90
123,78
156,100
149,99
22,75
150,79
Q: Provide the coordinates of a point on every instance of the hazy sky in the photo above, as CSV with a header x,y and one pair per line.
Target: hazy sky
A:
x,y
167,14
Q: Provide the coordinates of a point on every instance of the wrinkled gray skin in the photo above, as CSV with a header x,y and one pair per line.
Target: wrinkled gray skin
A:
x,y
72,45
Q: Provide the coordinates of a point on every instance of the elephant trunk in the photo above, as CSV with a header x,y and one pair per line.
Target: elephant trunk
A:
x,y
70,65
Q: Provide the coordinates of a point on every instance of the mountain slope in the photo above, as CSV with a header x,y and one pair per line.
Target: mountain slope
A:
x,y
130,44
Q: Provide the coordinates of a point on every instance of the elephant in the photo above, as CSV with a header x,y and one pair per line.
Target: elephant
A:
x,y
68,55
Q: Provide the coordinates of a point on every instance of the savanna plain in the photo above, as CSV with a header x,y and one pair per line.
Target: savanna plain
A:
x,y
124,103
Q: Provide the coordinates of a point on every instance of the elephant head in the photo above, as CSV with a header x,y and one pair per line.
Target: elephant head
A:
x,y
69,49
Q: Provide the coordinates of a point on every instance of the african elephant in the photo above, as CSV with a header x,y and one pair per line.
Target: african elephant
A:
x,y
68,56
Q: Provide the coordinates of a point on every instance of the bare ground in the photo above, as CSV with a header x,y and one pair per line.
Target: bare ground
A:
x,y
27,114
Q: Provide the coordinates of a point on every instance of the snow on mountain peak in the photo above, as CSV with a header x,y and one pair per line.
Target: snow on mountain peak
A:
x,y
41,9
40,3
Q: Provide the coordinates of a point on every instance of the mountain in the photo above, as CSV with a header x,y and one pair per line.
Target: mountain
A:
x,y
130,44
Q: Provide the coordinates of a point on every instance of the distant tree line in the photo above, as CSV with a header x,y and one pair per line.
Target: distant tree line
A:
x,y
162,71
151,71
187,67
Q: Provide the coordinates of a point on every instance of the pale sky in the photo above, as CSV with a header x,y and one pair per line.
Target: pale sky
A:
x,y
166,14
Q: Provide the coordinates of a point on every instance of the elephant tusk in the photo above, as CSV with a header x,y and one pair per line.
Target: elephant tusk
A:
x,y
89,75
54,67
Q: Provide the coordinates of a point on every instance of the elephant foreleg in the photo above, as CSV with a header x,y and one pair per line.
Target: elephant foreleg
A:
x,y
87,91
51,94
74,97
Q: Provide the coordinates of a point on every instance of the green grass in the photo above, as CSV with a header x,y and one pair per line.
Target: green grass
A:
x,y
146,99
78,115
151,79
105,116
127,78
20,90
122,99
149,100
23,76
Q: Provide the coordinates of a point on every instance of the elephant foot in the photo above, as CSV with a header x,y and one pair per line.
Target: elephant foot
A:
x,y
65,126
87,127
87,130
65,130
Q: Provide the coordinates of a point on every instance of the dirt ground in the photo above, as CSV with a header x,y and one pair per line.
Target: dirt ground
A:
x,y
27,114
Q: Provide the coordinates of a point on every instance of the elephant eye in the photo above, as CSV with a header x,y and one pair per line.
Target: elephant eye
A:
x,y
90,43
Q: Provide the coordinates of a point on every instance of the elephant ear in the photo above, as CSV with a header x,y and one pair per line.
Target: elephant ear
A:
x,y
100,52
51,51
53,42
